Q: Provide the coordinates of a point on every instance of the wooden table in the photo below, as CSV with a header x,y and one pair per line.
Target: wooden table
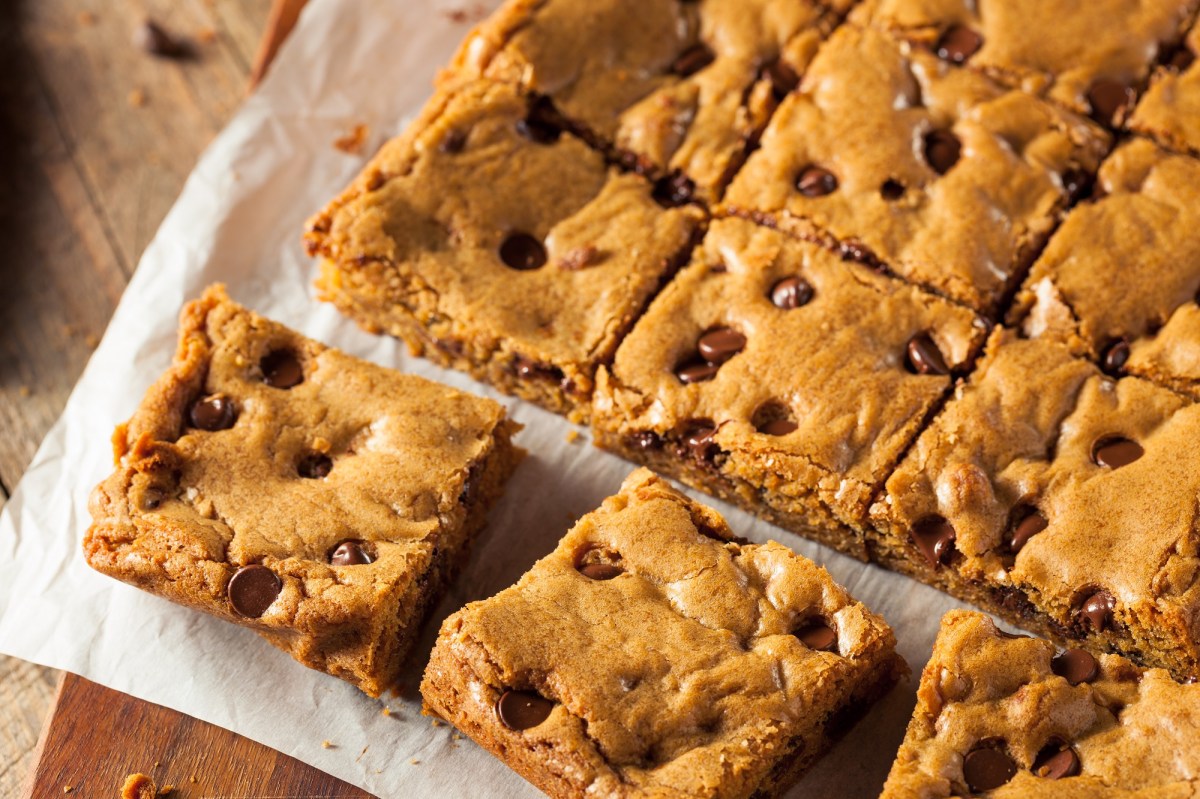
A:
x,y
98,138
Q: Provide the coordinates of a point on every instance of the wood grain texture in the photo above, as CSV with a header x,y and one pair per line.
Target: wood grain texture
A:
x,y
26,693
284,15
96,737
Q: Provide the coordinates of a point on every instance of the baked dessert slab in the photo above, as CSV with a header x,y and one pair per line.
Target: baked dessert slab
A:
x,y
772,374
1010,717
654,654
1061,499
934,172
318,499
494,242
1122,266
1169,111
1090,57
680,94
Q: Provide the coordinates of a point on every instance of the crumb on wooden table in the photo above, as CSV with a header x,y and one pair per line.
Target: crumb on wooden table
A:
x,y
136,98
139,786
68,788
353,142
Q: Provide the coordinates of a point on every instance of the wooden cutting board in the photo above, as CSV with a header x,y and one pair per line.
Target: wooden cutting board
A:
x,y
94,737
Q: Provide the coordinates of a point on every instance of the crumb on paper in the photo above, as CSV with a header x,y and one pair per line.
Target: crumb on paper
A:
x,y
139,786
415,762
573,436
387,711
457,736
363,752
353,142
328,744
136,98
436,722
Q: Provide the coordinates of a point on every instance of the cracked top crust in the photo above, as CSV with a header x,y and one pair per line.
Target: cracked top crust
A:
x,y
1170,109
936,171
486,224
683,89
834,370
1033,433
1060,50
1132,731
1120,266
680,676
187,507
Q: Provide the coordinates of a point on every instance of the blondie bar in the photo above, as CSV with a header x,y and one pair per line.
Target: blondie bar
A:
x,y
774,375
932,171
318,499
1009,716
1170,109
492,241
654,654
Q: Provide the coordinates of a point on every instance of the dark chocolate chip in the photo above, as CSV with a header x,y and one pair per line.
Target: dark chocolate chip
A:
x,y
645,440
891,190
314,465
818,635
815,181
988,766
1095,611
924,357
934,536
697,438
674,190
281,369
1075,665
692,60
155,40
252,589
783,79
1056,761
600,571
1115,357
212,413
152,498
779,427
350,553
1182,59
791,292
1028,522
1076,184
522,252
696,372
720,344
1108,98
958,44
942,150
1116,451
453,142
521,710
527,369
542,125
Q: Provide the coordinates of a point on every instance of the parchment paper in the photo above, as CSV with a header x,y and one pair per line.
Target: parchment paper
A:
x,y
239,221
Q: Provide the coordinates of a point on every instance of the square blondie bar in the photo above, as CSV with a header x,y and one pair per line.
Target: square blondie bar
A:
x,y
318,499
1169,111
654,654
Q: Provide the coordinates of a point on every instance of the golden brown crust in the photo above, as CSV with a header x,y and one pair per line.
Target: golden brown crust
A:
x,y
1170,109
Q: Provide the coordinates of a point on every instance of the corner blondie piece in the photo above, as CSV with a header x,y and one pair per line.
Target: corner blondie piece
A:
x,y
935,172
675,87
1122,266
1060,499
493,242
1170,109
1090,57
1007,717
320,500
774,375
1171,356
654,654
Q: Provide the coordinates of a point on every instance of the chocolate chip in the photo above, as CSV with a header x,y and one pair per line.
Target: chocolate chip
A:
x,y
1095,611
791,292
891,190
314,465
281,369
696,372
1116,451
692,60
528,369
817,635
934,536
152,499
212,413
988,766
522,252
815,181
600,571
1108,98
697,438
1076,184
924,357
958,44
521,710
1056,761
154,39
350,553
542,125
645,440
1075,665
783,79
720,344
1115,357
1182,59
779,427
673,190
1028,522
453,142
252,589
942,149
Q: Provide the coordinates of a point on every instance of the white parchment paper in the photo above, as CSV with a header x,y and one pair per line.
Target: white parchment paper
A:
x,y
239,221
